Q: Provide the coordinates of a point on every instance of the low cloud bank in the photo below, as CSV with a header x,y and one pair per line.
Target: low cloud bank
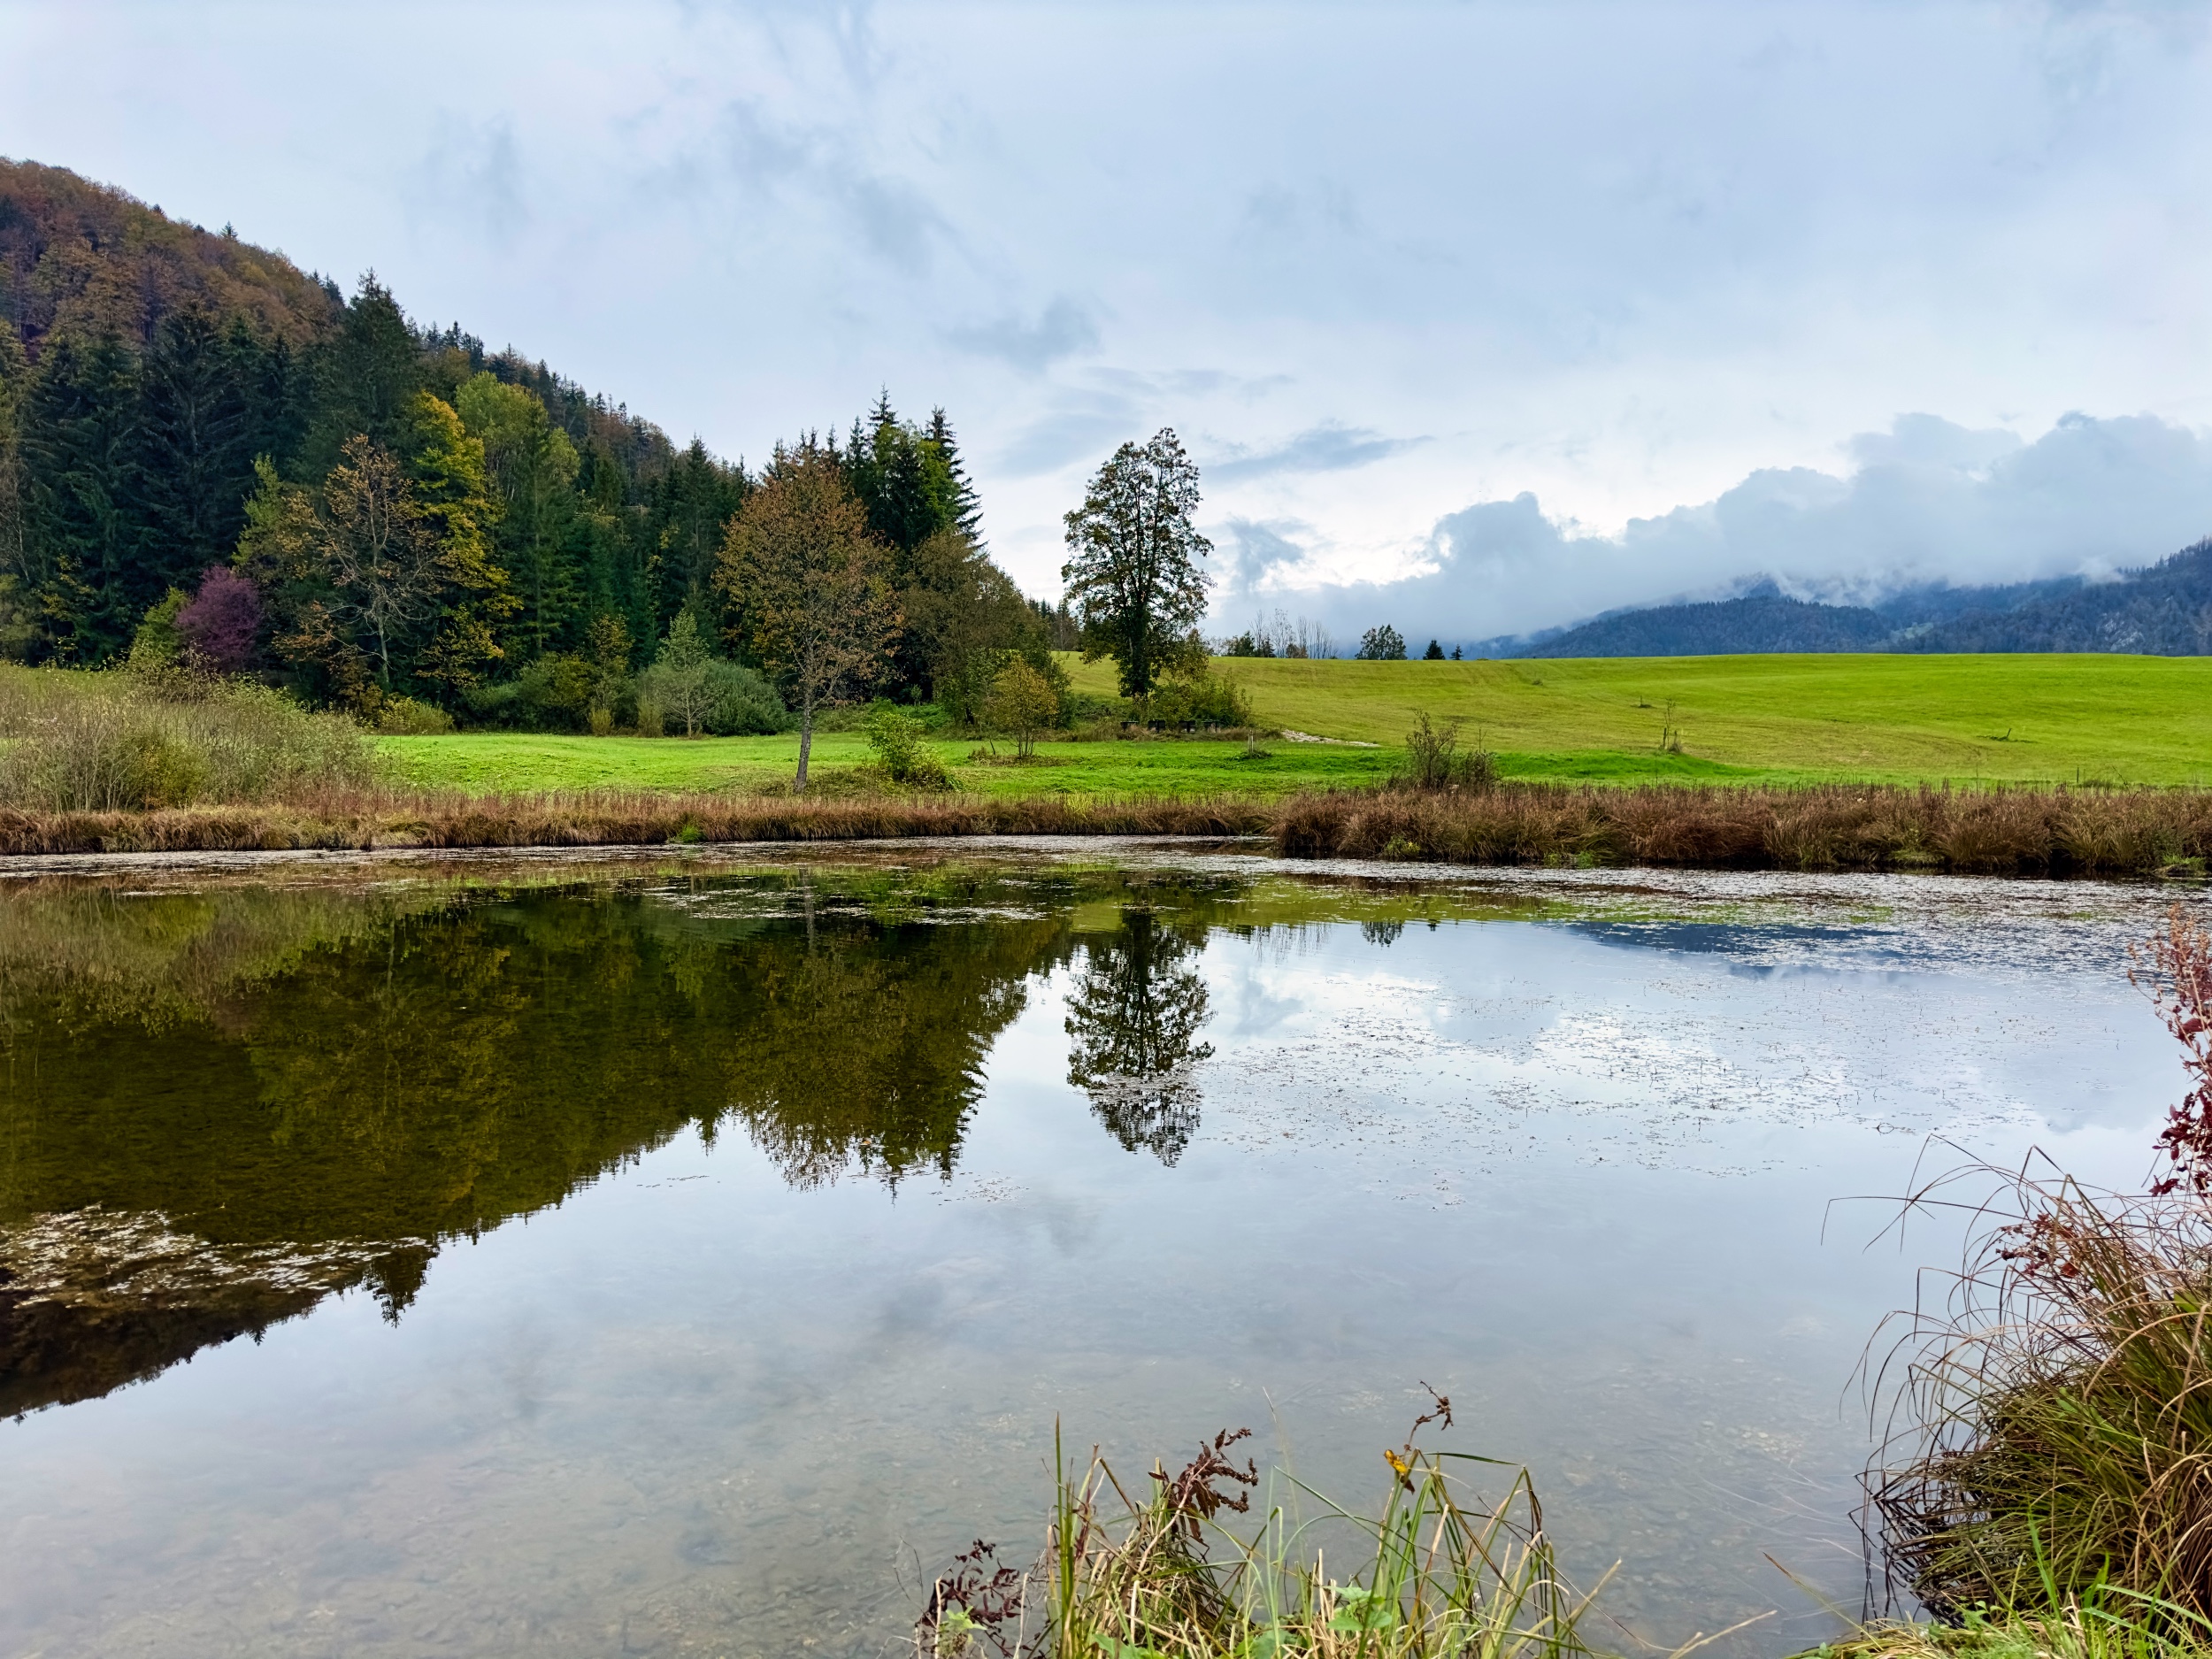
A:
x,y
1928,502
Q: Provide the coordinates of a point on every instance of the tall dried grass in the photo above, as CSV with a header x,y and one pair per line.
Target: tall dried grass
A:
x,y
124,742
2006,832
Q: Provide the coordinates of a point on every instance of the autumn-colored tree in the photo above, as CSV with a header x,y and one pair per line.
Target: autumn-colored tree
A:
x,y
1021,704
453,487
799,563
532,468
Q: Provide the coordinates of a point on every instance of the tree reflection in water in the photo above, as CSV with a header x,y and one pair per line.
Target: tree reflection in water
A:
x,y
218,1108
1132,1017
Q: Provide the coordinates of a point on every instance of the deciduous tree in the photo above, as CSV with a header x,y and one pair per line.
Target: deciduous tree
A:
x,y
1021,704
799,563
1131,574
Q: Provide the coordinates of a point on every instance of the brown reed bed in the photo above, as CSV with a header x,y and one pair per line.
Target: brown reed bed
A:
x,y
1832,826
365,819
2032,831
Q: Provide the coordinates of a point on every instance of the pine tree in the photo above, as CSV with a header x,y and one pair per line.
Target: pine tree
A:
x,y
196,432
961,507
83,532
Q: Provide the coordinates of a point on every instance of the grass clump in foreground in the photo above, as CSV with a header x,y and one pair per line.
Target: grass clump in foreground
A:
x,y
2054,1462
1161,1576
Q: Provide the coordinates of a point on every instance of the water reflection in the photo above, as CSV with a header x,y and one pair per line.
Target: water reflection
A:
x,y
219,1109
1574,1173
1132,1019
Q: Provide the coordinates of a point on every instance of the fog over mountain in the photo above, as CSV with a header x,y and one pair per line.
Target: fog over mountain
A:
x,y
1928,504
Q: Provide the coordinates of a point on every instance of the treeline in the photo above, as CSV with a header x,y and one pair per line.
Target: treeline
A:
x,y
203,452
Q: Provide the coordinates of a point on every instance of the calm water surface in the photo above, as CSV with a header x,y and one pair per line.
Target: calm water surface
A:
x,y
681,1255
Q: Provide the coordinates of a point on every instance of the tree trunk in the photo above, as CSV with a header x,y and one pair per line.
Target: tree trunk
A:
x,y
806,740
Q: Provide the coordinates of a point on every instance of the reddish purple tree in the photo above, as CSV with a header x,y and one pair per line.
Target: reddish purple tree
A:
x,y
221,623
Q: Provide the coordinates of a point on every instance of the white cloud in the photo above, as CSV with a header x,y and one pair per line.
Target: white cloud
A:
x,y
1615,256
1931,502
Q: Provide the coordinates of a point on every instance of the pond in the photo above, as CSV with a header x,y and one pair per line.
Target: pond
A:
x,y
687,1253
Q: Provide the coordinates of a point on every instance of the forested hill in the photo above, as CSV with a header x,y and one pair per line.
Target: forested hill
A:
x,y
166,390
2162,611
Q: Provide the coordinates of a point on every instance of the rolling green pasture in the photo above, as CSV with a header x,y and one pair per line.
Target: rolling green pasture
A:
x,y
493,762
1997,718
2024,718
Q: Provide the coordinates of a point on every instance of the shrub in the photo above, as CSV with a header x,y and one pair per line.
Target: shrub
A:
x,y
740,704
1435,761
897,741
221,627
404,716
552,693
1200,699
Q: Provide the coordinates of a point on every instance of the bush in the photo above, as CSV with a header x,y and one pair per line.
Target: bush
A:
x,y
1435,761
552,692
404,716
105,742
740,704
1202,699
897,741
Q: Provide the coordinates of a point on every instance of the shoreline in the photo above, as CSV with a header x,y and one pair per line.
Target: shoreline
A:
x,y
1901,829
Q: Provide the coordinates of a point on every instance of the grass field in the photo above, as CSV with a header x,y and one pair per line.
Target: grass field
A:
x,y
497,761
1897,718
1748,720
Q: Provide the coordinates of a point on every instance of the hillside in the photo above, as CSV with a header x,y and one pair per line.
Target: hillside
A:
x,y
78,257
2162,610
175,402
1754,622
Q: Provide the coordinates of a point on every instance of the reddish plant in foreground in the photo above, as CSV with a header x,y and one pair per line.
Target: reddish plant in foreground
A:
x,y
2176,968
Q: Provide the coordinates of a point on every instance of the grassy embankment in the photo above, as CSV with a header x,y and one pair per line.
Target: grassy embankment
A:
x,y
111,763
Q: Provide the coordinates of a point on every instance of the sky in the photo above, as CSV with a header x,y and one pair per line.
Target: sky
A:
x,y
1478,318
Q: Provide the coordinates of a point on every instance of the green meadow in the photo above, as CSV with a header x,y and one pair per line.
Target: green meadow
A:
x,y
1888,718
1751,719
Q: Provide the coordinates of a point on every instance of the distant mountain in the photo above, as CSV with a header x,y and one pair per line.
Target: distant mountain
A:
x,y
2162,611
2165,610
1721,628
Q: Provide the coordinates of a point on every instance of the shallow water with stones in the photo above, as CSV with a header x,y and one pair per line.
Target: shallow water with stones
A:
x,y
687,1253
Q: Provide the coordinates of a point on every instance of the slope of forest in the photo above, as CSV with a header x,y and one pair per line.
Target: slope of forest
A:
x,y
174,402
2164,610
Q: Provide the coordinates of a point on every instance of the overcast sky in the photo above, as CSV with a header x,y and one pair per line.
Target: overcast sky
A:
x,y
1567,305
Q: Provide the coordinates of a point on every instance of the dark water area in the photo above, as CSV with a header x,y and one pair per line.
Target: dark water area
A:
x,y
685,1254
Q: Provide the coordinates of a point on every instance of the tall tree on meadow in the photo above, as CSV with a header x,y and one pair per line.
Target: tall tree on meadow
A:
x,y
1131,574
800,564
